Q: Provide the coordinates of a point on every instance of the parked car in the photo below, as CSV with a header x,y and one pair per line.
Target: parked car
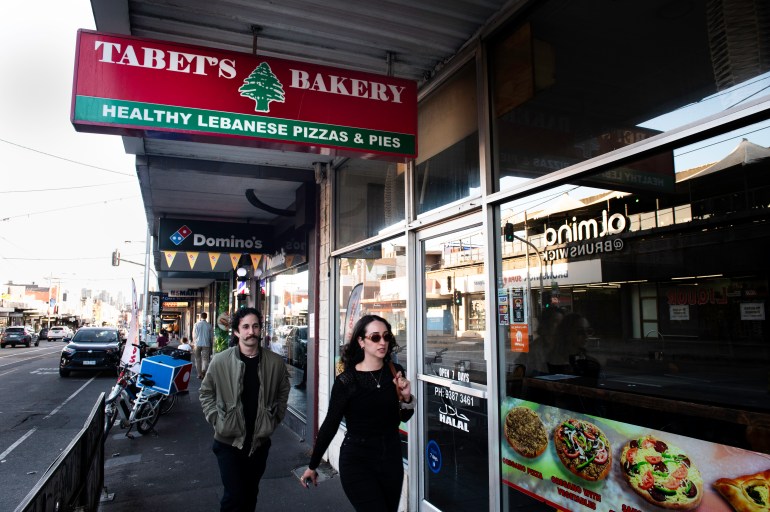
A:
x,y
19,335
296,346
43,334
91,348
59,332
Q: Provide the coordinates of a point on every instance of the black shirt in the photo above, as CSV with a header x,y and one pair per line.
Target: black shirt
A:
x,y
250,396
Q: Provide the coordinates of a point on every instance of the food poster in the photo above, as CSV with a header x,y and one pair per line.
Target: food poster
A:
x,y
610,466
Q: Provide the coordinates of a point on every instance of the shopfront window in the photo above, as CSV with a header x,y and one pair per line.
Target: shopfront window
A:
x,y
287,329
633,301
574,81
447,168
373,281
369,197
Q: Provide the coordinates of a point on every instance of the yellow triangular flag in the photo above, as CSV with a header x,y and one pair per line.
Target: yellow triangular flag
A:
x,y
369,264
288,259
214,258
255,259
351,264
192,257
234,258
169,257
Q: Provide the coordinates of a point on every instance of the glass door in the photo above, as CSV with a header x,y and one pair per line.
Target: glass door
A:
x,y
452,373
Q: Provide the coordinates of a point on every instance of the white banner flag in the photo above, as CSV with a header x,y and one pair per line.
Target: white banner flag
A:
x,y
131,355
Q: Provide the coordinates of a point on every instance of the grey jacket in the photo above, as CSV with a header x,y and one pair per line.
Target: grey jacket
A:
x,y
220,397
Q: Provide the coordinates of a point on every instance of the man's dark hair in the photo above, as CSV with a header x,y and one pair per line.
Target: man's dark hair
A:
x,y
238,317
204,316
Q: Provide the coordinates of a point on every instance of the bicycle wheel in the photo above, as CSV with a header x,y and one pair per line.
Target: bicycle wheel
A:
x,y
167,403
149,412
110,414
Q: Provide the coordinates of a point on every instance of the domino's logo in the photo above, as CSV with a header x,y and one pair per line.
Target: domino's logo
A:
x,y
180,235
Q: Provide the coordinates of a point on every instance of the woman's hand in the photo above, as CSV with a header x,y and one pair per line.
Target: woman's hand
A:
x,y
310,475
403,386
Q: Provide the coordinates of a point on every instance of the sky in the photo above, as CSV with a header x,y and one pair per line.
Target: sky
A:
x,y
67,199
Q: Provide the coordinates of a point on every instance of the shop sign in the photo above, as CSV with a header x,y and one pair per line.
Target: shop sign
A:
x,y
752,311
223,237
586,229
679,313
175,304
132,86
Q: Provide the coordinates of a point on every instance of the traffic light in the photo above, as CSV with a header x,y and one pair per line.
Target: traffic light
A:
x,y
115,258
508,232
458,298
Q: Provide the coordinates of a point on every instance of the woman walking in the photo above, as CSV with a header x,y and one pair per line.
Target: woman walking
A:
x,y
373,399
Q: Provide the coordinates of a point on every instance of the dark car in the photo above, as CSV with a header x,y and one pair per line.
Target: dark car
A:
x,y
296,346
19,335
91,348
43,334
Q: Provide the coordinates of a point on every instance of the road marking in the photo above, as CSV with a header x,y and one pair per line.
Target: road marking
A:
x,y
26,359
73,395
17,443
9,371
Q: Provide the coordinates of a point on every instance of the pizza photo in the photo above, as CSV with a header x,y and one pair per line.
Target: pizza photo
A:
x,y
661,473
583,449
525,432
747,493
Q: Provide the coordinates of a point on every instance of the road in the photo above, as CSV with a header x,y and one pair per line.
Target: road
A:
x,y
40,413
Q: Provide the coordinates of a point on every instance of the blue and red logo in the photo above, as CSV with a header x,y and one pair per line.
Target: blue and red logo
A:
x,y
180,235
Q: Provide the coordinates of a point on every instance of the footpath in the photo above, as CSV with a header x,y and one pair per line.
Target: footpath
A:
x,y
174,468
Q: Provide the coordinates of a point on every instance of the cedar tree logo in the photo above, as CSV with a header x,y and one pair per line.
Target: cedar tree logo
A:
x,y
263,87
180,235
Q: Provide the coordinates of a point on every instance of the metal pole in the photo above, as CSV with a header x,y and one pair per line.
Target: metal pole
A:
x,y
146,286
540,266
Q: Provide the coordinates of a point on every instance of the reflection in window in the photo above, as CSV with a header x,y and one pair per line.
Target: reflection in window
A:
x,y
373,281
455,313
370,197
558,102
642,287
447,168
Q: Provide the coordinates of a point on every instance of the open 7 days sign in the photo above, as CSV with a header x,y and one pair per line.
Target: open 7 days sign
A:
x,y
130,86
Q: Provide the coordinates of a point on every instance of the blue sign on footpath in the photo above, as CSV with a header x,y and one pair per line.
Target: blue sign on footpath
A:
x,y
433,454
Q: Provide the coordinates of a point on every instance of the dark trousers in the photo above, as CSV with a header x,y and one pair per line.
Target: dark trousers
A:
x,y
371,472
240,475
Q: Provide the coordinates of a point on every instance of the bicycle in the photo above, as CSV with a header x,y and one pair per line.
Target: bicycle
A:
x,y
142,408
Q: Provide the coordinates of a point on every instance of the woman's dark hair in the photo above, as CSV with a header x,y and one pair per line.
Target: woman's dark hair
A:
x,y
352,353
236,321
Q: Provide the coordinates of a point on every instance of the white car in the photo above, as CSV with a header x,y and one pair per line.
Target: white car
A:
x,y
59,332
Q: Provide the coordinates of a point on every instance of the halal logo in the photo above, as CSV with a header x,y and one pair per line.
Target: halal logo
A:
x,y
180,235
263,87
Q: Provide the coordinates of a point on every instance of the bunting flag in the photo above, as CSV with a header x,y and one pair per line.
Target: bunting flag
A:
x,y
351,264
255,259
288,259
370,265
170,255
131,356
234,259
214,258
192,257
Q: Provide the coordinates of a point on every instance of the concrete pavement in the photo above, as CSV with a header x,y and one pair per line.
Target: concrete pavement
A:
x,y
175,469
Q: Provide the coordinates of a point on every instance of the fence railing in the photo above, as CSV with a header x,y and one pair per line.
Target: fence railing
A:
x,y
75,479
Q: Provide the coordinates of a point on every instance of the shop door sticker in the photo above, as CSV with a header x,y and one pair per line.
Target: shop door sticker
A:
x,y
433,456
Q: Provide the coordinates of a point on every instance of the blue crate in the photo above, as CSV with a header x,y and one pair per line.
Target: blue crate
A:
x,y
168,374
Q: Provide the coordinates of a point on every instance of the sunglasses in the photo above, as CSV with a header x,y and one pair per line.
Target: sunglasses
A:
x,y
376,337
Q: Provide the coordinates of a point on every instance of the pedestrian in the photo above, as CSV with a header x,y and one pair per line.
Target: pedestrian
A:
x,y
244,397
185,345
374,398
202,337
162,340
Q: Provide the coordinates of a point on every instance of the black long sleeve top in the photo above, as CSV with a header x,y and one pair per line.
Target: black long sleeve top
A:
x,y
368,410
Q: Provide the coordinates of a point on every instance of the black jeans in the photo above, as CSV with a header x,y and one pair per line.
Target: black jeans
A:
x,y
372,471
240,475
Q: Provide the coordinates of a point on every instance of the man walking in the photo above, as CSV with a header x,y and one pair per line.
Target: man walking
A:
x,y
202,337
244,396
